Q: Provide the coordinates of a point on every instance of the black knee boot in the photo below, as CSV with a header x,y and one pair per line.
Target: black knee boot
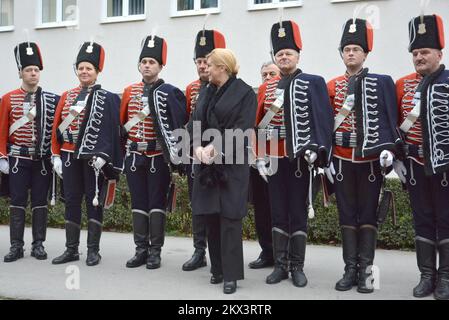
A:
x,y
16,230
39,228
93,242
280,253
198,259
426,257
442,289
72,233
157,236
297,253
349,243
141,227
367,246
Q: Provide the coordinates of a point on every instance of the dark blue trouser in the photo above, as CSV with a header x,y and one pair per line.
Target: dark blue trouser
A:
x,y
289,189
262,212
148,182
79,180
429,199
198,222
357,189
26,175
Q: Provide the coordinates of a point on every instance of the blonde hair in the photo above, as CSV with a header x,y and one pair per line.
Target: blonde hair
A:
x,y
226,58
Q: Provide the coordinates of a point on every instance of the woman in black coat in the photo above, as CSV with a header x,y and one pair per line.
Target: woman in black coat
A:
x,y
226,111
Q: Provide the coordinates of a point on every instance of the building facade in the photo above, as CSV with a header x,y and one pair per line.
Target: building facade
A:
x,y
60,26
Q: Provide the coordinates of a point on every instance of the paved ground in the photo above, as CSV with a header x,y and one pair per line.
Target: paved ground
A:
x,y
32,279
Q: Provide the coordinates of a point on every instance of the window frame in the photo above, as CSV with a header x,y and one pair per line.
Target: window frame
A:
x,y
9,27
126,17
274,5
59,16
174,13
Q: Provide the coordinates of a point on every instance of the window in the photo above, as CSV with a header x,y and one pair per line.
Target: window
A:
x,y
124,10
346,0
194,7
6,15
270,4
56,13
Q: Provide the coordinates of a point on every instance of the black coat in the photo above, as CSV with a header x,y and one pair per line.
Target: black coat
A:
x,y
232,107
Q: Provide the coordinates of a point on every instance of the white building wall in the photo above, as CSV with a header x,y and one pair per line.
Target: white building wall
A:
x,y
246,32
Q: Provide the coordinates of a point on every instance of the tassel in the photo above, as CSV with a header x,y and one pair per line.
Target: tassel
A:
x,y
95,202
53,191
311,211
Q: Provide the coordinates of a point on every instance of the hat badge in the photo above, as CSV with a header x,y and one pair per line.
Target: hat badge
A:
x,y
203,41
90,49
30,51
353,28
422,26
151,43
281,33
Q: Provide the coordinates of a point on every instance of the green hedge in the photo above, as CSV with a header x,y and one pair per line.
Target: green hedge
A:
x,y
323,229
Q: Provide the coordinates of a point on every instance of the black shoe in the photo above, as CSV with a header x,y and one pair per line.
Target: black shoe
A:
x,y
216,279
426,256
348,281
280,252
442,287
197,261
39,231
298,277
425,287
68,256
139,259
349,237
277,276
367,239
261,263
39,253
154,259
93,257
229,287
14,254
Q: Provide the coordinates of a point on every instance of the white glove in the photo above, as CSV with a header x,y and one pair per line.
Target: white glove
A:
x,y
279,102
57,165
330,172
350,100
400,170
261,165
310,156
4,166
99,163
386,159
198,153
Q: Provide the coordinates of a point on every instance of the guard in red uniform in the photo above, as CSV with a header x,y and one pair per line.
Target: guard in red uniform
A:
x,y
364,131
423,98
86,151
26,117
150,111
294,111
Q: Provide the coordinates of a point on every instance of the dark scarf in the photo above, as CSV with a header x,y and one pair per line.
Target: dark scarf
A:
x,y
213,175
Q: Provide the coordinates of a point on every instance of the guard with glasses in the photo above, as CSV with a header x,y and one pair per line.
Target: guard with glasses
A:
x,y
365,139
